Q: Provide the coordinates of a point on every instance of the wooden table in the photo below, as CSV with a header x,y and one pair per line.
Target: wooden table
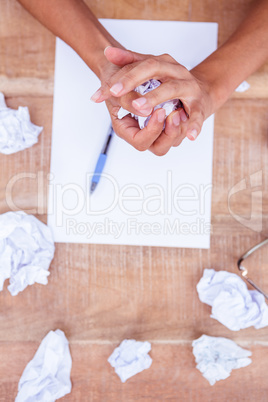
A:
x,y
100,295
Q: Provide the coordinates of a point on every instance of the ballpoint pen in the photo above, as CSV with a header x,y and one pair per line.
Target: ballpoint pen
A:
x,y
101,161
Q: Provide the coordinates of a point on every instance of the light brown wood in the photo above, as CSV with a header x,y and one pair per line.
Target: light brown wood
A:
x,y
171,377
100,295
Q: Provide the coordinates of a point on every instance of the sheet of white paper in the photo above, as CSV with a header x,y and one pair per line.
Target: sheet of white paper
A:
x,y
130,358
216,357
232,303
46,377
17,132
26,251
141,199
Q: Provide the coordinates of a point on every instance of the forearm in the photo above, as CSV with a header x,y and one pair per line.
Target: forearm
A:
x,y
244,52
73,22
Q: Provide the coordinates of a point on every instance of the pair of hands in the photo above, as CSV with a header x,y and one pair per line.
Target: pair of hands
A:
x,y
125,71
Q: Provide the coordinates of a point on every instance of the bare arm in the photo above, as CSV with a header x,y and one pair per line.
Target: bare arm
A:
x,y
243,53
73,22
203,89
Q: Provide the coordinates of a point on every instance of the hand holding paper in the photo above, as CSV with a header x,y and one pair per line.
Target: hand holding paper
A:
x,y
143,68
168,106
203,90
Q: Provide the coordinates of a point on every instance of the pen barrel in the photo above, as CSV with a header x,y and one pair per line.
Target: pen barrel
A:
x,y
99,168
106,146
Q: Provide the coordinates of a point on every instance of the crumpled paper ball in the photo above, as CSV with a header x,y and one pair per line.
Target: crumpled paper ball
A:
x,y
216,357
26,251
148,86
232,303
17,132
130,357
46,377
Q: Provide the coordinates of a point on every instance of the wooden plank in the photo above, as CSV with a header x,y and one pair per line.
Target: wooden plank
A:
x,y
100,295
111,293
172,375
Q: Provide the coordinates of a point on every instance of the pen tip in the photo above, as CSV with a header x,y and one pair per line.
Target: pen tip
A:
x,y
93,186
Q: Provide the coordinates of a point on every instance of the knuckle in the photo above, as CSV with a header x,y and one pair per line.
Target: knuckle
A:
x,y
128,77
174,134
168,58
160,152
106,84
152,63
140,147
125,69
152,97
139,144
114,111
173,84
177,143
126,102
118,131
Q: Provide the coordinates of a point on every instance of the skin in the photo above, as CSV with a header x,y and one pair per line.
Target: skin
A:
x,y
202,90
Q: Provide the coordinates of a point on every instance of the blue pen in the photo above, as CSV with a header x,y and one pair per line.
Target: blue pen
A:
x,y
101,161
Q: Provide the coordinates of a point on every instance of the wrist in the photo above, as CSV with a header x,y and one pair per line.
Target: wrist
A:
x,y
215,86
97,62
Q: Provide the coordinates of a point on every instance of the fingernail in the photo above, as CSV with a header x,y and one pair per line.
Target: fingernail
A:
x,y
183,115
193,134
106,49
176,119
96,95
138,103
116,88
161,115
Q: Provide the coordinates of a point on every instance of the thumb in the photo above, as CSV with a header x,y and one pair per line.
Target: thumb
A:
x,y
121,57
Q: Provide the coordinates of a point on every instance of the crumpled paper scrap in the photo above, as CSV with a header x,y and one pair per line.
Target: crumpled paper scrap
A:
x,y
130,358
244,86
216,357
47,376
148,86
232,303
26,251
17,132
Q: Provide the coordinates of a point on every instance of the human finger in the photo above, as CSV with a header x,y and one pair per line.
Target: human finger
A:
x,y
169,136
196,120
126,101
168,90
128,128
131,76
121,57
144,138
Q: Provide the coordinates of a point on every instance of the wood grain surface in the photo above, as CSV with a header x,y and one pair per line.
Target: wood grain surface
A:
x,y
99,295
